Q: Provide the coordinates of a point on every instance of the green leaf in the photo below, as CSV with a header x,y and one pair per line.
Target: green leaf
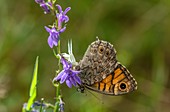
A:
x,y
33,89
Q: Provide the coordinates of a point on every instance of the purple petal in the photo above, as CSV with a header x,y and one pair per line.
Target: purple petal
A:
x,y
63,78
50,42
72,81
45,8
49,3
64,62
55,43
47,29
59,8
58,77
55,40
69,84
75,72
62,30
77,79
69,66
66,18
39,1
66,10
57,15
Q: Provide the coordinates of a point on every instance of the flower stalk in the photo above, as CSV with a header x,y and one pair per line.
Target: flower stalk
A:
x,y
58,94
65,72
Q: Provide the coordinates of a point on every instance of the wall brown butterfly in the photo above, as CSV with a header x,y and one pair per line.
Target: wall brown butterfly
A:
x,y
101,72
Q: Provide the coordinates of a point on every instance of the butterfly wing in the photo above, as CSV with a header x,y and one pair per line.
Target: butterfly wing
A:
x,y
120,81
98,62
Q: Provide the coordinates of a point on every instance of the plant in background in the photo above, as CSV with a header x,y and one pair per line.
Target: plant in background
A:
x,y
67,75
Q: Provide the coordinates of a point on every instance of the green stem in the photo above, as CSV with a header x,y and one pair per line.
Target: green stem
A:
x,y
58,94
42,100
59,52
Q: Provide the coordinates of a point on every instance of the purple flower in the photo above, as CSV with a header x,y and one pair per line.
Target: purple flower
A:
x,y
54,36
68,75
61,16
39,1
44,5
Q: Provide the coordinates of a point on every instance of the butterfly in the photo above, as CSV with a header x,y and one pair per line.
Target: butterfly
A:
x,y
101,72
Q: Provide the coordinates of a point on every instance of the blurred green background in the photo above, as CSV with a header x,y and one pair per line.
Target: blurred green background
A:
x,y
139,30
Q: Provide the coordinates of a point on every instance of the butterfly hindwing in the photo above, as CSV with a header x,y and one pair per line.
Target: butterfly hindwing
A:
x,y
118,82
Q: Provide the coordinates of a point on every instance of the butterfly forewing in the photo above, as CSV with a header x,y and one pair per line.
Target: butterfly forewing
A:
x,y
98,61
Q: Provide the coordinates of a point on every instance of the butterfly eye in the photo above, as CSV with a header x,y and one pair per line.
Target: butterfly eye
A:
x,y
77,67
122,86
101,49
